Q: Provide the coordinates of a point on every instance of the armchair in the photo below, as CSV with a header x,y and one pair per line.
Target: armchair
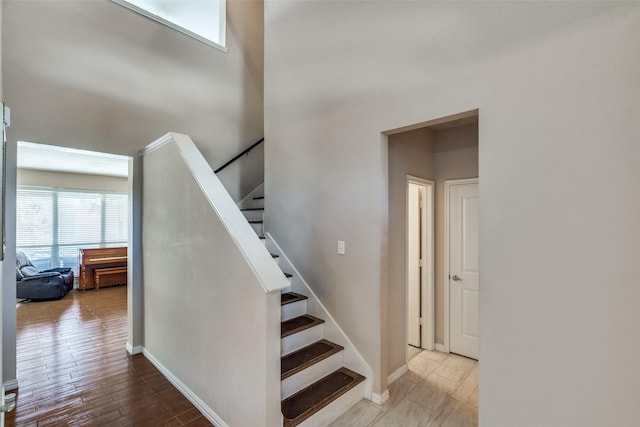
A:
x,y
32,284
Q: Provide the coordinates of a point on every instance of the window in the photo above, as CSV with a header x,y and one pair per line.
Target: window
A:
x,y
52,224
204,20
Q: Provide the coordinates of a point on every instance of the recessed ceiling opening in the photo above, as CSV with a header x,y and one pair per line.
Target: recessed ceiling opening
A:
x,y
61,159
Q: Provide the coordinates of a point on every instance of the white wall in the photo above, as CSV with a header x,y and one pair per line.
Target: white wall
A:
x,y
207,317
97,76
557,90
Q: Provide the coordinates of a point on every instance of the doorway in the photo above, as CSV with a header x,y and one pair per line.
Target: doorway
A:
x,y
420,265
81,198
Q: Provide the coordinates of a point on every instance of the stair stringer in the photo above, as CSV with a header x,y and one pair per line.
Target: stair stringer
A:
x,y
352,359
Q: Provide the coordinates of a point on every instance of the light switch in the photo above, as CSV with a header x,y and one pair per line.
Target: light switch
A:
x,y
341,247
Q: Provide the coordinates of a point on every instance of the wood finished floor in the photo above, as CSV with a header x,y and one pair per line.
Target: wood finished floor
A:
x,y
73,368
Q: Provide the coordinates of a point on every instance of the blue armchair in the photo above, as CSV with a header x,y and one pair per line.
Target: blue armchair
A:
x,y
41,285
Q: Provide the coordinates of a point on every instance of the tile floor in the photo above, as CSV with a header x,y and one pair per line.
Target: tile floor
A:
x,y
438,390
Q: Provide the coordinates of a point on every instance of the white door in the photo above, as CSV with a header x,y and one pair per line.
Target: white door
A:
x,y
413,258
464,271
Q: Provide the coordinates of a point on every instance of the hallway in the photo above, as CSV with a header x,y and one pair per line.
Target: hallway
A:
x,y
439,390
73,368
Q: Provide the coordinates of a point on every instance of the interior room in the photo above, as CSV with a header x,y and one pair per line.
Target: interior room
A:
x,y
69,201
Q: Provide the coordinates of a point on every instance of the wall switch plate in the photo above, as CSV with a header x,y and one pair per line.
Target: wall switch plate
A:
x,y
341,247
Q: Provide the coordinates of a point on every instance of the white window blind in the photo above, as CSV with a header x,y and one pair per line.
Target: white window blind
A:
x,y
52,224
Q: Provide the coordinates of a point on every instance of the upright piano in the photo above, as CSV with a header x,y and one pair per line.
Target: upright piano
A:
x,y
102,267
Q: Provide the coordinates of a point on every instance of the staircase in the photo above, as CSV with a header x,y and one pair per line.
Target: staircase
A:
x,y
316,387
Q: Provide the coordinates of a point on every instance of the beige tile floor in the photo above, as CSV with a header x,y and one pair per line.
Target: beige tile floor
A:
x,y
438,390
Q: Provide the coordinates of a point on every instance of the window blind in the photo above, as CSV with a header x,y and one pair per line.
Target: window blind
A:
x,y
52,224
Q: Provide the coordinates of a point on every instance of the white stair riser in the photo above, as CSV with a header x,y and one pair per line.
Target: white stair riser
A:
x,y
329,413
253,215
295,309
308,376
301,339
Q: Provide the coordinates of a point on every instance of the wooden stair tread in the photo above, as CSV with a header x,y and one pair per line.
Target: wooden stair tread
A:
x,y
298,324
256,221
291,297
258,198
292,363
251,209
308,401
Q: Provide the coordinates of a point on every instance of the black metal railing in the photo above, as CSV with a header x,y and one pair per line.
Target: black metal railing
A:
x,y
246,151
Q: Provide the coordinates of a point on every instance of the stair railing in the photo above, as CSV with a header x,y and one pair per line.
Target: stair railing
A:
x,y
246,151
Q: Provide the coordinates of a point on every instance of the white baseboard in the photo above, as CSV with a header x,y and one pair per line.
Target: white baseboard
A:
x,y
397,374
133,349
380,398
206,411
441,348
10,385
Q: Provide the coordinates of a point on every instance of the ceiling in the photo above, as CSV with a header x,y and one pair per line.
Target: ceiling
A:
x,y
62,159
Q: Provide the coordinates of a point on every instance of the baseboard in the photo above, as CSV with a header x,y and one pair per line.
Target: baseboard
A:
x,y
133,350
441,348
397,374
10,385
380,398
206,411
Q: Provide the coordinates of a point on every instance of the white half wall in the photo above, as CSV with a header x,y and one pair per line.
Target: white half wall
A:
x,y
557,88
208,319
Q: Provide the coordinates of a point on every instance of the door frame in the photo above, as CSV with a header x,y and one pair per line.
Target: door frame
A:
x,y
427,302
445,277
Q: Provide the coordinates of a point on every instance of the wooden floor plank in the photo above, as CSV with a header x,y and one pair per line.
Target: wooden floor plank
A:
x,y
73,368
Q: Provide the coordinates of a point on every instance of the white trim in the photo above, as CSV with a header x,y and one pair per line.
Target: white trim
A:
x,y
10,385
222,24
447,189
134,349
434,122
397,374
428,270
164,139
329,319
206,411
380,398
441,348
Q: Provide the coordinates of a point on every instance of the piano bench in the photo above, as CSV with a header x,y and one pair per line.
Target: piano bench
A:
x,y
102,272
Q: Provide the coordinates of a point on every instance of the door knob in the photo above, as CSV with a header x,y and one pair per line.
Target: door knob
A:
x,y
456,278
